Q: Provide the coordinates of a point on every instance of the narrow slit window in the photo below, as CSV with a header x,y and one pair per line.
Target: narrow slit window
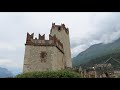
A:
x,y
43,56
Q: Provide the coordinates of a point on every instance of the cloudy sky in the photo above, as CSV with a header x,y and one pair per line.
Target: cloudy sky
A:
x,y
86,29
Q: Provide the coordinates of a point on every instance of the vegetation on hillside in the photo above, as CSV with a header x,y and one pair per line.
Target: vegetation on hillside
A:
x,y
98,53
50,74
102,59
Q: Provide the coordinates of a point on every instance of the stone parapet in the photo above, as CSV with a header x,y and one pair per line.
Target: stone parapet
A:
x,y
53,41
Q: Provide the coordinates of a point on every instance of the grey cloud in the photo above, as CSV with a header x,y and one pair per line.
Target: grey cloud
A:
x,y
16,55
104,29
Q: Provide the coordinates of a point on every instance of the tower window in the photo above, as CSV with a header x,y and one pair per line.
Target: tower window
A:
x,y
59,28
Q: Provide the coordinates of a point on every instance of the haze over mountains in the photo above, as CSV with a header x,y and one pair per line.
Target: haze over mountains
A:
x,y
4,73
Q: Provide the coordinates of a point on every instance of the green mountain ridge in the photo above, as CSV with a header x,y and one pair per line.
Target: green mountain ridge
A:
x,y
97,51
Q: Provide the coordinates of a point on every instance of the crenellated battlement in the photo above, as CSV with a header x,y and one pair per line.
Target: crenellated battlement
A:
x,y
42,37
40,41
60,27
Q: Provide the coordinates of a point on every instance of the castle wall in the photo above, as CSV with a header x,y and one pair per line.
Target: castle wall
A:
x,y
52,54
58,60
32,59
63,36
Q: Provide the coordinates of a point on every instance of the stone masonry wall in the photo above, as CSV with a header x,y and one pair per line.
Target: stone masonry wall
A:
x,y
63,35
58,62
32,60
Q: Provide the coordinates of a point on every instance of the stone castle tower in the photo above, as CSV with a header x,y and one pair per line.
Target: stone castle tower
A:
x,y
52,54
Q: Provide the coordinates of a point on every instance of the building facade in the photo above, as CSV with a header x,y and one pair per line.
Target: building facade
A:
x,y
52,54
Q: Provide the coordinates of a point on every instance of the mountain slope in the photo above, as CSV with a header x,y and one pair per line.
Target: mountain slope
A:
x,y
95,51
4,73
100,60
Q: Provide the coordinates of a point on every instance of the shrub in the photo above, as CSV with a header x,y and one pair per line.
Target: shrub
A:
x,y
50,74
